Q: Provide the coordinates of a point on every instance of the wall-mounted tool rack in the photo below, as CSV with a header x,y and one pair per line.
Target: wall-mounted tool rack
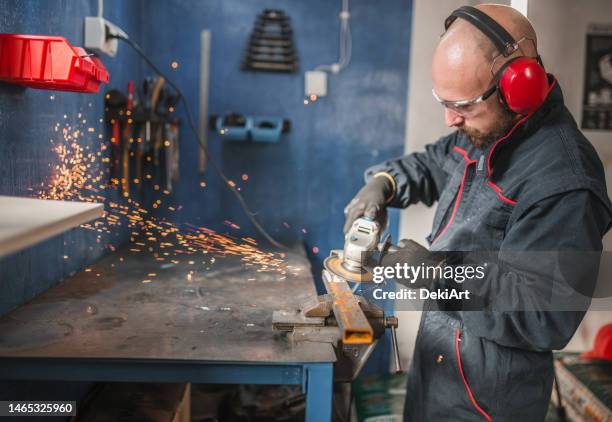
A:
x,y
271,45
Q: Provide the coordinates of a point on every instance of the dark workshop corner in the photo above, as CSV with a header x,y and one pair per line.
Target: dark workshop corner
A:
x,y
297,187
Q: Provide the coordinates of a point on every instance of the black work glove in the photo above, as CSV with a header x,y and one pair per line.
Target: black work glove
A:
x,y
370,202
413,254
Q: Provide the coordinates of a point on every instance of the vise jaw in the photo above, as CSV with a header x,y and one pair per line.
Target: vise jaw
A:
x,y
348,322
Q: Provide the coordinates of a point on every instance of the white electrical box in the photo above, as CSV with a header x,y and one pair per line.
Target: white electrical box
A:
x,y
97,30
315,83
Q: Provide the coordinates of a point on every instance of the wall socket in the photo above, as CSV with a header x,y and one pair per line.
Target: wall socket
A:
x,y
97,30
315,84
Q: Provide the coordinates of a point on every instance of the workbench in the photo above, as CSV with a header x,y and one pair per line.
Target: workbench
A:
x,y
131,317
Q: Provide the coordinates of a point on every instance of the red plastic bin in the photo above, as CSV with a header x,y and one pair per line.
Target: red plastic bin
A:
x,y
49,62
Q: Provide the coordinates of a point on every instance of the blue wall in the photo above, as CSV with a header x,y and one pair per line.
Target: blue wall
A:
x,y
304,182
307,179
27,120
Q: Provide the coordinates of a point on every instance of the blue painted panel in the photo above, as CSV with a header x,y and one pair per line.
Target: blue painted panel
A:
x,y
305,181
27,120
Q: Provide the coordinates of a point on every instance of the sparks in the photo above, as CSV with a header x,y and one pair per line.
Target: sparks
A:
x,y
81,174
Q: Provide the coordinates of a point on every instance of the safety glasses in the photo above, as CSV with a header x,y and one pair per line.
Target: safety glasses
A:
x,y
465,108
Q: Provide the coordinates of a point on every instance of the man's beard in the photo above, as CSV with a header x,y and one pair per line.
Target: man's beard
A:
x,y
482,140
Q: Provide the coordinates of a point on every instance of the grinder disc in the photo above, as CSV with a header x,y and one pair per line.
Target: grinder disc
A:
x,y
334,265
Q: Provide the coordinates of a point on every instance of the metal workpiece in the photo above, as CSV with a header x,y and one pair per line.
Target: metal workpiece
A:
x,y
342,319
131,306
353,324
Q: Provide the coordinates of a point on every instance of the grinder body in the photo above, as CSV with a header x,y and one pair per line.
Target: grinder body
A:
x,y
348,264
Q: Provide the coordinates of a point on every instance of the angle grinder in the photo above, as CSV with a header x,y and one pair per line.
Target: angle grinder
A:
x,y
360,242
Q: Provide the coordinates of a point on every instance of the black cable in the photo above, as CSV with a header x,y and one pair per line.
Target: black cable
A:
x,y
191,121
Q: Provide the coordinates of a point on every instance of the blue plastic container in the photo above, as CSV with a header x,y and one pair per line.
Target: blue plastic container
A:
x,y
266,129
233,132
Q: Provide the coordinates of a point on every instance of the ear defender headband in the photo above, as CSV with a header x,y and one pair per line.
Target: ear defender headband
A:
x,y
521,82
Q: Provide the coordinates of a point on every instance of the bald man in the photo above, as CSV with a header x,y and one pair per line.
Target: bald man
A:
x,y
515,175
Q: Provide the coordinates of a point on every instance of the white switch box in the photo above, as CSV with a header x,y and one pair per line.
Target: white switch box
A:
x,y
97,31
315,83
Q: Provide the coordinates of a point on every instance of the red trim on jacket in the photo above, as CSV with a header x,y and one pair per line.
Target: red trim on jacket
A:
x,y
517,124
462,152
467,386
500,194
469,162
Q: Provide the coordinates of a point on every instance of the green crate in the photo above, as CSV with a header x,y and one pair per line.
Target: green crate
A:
x,y
380,398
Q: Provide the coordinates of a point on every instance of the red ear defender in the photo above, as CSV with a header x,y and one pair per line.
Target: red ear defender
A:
x,y
523,85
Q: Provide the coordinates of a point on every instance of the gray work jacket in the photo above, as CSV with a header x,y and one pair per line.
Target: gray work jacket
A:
x,y
539,188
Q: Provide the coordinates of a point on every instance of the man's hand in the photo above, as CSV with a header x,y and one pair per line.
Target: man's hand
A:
x,y
370,202
413,254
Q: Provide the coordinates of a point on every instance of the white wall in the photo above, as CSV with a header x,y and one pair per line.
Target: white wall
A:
x,y
561,27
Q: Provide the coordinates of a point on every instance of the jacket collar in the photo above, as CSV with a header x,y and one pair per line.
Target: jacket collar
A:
x,y
528,124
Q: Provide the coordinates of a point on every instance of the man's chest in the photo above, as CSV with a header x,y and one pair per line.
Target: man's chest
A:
x,y
472,212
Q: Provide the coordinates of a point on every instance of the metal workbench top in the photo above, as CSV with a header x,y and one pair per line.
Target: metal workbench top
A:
x,y
131,306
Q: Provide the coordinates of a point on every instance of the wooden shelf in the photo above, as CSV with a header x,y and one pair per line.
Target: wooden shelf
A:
x,y
27,221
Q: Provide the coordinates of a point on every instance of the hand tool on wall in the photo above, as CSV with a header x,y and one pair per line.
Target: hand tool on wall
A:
x,y
167,157
126,138
347,321
144,136
158,142
115,151
171,152
149,118
115,102
162,108
142,116
176,142
155,101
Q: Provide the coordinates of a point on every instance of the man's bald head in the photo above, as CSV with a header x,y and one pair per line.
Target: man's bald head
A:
x,y
466,52
515,23
462,70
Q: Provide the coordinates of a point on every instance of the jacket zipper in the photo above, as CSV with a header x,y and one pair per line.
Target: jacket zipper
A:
x,y
469,162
